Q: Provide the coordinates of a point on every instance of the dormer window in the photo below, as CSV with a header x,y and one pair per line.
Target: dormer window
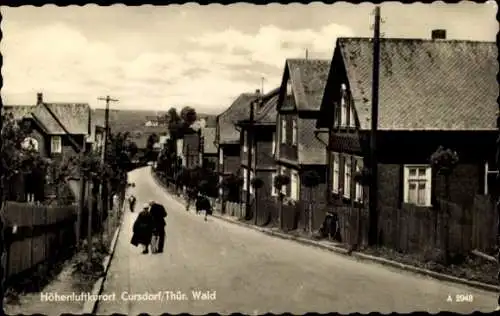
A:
x,y
29,143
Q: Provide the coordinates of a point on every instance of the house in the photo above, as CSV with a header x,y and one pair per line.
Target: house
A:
x,y
155,121
263,144
227,138
191,149
209,158
432,93
57,131
299,151
95,140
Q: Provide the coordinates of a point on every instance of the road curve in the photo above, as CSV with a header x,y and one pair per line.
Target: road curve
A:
x,y
253,273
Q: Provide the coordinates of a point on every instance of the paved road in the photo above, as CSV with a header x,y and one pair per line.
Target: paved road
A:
x,y
253,273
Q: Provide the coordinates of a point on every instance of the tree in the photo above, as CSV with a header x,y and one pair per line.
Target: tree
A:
x,y
188,116
280,181
152,140
445,161
173,122
257,184
311,180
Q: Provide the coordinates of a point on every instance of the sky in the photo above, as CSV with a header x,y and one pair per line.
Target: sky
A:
x,y
152,57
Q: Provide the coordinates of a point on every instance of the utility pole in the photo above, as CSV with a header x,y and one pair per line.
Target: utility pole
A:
x,y
373,209
3,244
307,54
497,158
250,154
262,79
104,199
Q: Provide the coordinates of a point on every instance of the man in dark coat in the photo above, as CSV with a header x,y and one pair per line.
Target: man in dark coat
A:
x,y
203,204
158,215
143,229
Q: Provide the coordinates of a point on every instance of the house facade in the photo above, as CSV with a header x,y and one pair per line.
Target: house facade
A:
x,y
209,155
421,107
299,150
260,139
227,139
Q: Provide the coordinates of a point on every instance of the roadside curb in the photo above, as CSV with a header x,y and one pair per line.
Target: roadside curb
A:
x,y
366,257
355,254
90,306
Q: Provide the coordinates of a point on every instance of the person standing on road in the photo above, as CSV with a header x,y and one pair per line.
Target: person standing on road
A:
x,y
191,196
131,202
143,229
158,215
203,204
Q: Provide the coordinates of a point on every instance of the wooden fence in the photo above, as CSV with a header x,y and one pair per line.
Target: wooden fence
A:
x,y
422,230
44,234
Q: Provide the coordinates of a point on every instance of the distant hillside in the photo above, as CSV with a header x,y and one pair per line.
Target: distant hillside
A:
x,y
132,121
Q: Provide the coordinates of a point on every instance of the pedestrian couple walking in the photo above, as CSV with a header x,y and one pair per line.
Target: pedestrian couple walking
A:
x,y
202,203
149,228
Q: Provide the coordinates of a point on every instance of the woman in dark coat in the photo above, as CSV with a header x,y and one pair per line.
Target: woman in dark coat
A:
x,y
143,229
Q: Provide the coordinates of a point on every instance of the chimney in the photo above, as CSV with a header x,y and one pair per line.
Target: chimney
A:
x,y
439,34
39,98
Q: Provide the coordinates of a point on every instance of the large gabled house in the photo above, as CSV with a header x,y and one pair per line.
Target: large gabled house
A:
x,y
57,131
261,147
299,150
227,138
432,93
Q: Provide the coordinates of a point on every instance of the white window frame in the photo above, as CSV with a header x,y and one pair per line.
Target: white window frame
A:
x,y
294,132
221,156
352,120
426,178
359,187
347,176
289,91
274,191
252,175
274,143
343,106
294,185
283,130
245,141
487,171
335,172
56,144
245,179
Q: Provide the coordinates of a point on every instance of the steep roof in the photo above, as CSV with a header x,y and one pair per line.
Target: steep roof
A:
x,y
308,79
424,84
240,109
267,113
18,111
208,134
73,116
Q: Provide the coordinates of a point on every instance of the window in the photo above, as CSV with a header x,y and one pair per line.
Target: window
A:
x,y
56,144
335,172
245,179
274,144
417,185
221,190
283,188
294,185
289,88
336,118
359,186
343,106
245,141
221,156
274,192
352,116
347,176
29,143
489,178
252,175
294,132
283,131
